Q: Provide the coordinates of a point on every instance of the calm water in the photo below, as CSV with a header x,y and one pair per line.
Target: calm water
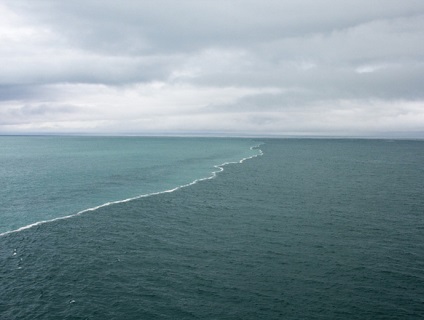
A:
x,y
313,229
44,178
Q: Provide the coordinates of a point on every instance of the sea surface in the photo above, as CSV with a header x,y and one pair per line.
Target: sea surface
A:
x,y
211,228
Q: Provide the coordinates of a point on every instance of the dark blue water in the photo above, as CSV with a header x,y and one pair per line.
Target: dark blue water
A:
x,y
313,229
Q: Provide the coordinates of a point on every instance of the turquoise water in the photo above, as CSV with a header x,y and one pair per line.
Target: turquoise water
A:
x,y
44,178
312,229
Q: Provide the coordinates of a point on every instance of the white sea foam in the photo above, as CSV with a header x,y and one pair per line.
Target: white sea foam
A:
x,y
212,176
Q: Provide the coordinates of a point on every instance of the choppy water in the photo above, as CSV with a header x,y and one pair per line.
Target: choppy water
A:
x,y
313,229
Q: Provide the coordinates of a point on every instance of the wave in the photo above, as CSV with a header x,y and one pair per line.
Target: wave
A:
x,y
220,168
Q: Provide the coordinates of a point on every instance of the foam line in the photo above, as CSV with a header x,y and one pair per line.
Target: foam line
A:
x,y
212,176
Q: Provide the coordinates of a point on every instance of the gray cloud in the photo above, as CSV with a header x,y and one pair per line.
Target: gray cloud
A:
x,y
275,66
134,26
23,114
10,92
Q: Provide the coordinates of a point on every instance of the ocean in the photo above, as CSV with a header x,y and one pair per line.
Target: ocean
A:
x,y
211,228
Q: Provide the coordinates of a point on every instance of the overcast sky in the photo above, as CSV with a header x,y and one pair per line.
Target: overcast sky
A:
x,y
315,67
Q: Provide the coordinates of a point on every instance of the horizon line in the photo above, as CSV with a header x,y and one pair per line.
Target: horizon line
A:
x,y
368,135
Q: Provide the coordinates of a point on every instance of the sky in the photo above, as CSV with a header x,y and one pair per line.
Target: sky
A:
x,y
221,67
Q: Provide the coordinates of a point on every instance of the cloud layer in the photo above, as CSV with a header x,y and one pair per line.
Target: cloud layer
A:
x,y
236,67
